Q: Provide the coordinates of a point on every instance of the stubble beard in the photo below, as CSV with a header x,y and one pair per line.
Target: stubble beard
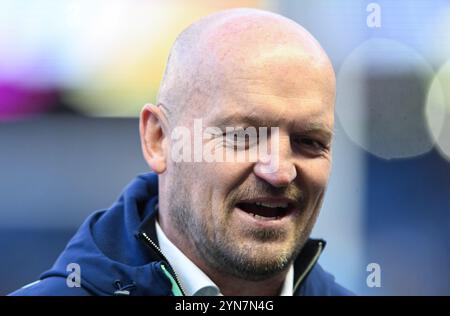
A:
x,y
221,252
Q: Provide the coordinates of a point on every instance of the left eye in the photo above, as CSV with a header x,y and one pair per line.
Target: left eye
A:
x,y
310,143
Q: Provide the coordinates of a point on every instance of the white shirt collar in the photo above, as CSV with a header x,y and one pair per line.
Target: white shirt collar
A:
x,y
193,280
288,285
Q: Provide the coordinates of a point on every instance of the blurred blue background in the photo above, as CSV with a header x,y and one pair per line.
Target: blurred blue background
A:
x,y
74,75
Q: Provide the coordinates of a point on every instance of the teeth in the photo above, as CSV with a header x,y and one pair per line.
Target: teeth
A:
x,y
272,205
265,218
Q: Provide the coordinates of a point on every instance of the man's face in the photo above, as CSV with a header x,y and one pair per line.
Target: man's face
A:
x,y
217,205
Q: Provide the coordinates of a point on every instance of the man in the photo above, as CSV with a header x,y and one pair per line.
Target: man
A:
x,y
205,227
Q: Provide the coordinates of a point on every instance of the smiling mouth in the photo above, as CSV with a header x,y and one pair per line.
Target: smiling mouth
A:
x,y
267,209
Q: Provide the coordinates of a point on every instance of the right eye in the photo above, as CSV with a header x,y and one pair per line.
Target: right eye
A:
x,y
240,140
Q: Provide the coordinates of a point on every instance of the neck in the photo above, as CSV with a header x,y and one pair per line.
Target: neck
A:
x,y
229,285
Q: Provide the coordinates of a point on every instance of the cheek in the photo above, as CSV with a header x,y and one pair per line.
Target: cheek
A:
x,y
316,173
212,182
223,178
229,174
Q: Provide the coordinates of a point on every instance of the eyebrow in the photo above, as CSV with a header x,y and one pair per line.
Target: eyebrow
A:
x,y
252,120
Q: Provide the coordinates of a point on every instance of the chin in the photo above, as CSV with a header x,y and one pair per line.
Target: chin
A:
x,y
257,251
263,266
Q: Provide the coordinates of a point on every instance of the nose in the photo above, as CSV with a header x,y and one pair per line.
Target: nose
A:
x,y
277,168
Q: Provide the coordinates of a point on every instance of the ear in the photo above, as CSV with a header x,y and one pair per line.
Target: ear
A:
x,y
152,128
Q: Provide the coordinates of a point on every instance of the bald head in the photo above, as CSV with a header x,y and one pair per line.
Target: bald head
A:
x,y
226,47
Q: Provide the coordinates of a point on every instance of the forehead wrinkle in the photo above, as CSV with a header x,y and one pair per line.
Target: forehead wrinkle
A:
x,y
247,120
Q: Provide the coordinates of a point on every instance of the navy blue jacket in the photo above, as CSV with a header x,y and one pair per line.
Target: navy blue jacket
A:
x,y
117,253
